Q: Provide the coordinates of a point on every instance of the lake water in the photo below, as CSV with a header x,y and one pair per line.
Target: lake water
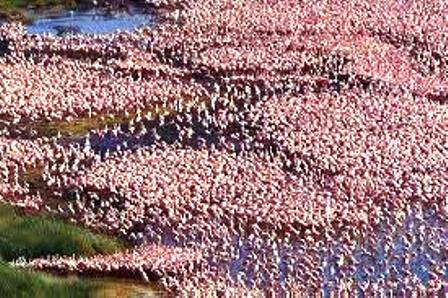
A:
x,y
92,21
110,287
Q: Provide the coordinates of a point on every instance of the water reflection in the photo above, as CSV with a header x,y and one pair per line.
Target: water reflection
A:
x,y
92,21
412,250
109,287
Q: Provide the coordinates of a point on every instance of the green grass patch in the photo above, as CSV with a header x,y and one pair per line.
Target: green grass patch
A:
x,y
79,127
23,4
22,283
36,236
16,10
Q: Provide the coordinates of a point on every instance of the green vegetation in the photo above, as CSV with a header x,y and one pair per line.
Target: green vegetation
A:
x,y
31,237
21,283
23,4
15,10
80,126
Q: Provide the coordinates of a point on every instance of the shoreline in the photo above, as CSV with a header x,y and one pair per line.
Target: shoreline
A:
x,y
28,14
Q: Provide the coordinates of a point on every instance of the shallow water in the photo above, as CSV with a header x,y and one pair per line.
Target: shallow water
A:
x,y
373,262
92,21
109,287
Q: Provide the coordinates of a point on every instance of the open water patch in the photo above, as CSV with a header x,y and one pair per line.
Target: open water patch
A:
x,y
90,22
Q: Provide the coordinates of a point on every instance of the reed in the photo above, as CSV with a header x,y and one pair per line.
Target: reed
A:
x,y
35,236
23,283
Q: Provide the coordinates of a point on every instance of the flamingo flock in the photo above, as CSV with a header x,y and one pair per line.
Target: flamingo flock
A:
x,y
154,259
273,146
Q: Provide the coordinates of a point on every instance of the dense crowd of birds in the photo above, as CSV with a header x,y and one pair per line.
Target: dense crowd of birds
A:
x,y
137,263
284,146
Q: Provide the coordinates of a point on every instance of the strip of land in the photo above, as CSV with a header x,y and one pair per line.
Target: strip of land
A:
x,y
18,240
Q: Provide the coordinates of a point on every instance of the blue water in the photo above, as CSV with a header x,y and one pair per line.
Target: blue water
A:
x,y
373,263
93,22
